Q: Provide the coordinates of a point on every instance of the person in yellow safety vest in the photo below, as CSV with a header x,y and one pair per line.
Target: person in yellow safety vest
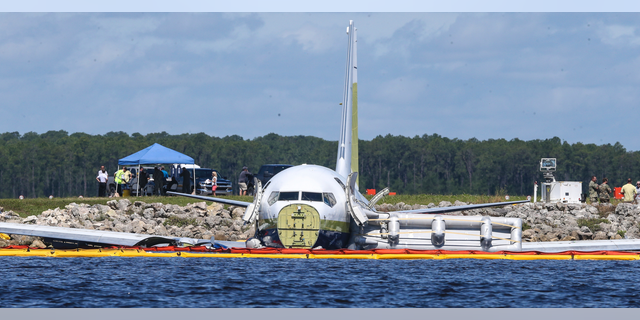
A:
x,y
119,180
629,192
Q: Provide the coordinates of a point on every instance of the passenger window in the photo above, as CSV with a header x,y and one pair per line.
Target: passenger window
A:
x,y
311,196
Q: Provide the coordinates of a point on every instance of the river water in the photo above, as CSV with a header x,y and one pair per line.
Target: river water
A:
x,y
254,282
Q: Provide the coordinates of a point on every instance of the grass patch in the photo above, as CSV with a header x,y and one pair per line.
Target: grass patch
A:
x,y
35,206
592,224
622,233
525,226
179,222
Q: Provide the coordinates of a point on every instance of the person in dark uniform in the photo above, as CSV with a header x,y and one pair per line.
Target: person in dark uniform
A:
x,y
186,180
158,180
142,178
604,191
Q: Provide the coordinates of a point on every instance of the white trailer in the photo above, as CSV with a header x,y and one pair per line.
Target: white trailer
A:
x,y
556,191
562,191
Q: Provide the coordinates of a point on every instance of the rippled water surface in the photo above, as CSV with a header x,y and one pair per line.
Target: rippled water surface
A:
x,y
180,282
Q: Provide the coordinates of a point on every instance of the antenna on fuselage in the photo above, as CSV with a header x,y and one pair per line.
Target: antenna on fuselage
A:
x,y
347,161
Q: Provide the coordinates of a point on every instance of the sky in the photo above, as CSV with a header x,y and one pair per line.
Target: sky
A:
x,y
460,75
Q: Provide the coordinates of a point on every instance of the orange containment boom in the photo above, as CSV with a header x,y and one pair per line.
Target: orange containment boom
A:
x,y
377,254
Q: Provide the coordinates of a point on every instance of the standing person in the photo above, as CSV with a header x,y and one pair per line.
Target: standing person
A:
x,y
102,178
165,182
142,180
214,183
126,177
118,178
605,190
186,180
629,192
242,181
637,192
165,174
158,180
593,190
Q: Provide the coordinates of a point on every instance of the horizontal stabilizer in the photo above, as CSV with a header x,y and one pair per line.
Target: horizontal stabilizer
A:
x,y
461,208
214,199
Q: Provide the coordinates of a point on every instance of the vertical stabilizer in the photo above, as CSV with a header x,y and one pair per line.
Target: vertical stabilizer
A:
x,y
354,107
349,125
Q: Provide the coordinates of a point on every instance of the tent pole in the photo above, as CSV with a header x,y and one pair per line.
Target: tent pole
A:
x,y
194,178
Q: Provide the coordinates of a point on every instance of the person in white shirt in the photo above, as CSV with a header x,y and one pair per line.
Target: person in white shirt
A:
x,y
102,178
214,183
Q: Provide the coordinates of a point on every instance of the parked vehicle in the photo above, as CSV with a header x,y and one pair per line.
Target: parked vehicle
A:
x,y
204,183
267,171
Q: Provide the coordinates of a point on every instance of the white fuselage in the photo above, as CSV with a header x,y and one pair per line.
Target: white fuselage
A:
x,y
310,188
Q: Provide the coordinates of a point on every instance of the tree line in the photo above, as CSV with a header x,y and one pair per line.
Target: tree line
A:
x,y
61,164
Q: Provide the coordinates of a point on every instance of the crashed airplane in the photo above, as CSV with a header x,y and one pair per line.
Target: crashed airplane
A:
x,y
311,206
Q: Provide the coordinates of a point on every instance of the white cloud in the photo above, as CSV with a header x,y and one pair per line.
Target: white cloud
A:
x,y
247,68
619,35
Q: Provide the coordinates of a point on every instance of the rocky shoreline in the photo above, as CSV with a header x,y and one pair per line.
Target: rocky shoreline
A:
x,y
541,221
196,220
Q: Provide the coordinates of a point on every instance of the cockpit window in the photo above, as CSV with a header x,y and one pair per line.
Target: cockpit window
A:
x,y
311,196
329,199
326,197
273,197
288,196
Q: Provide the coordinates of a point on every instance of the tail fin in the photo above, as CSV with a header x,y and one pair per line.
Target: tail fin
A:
x,y
347,161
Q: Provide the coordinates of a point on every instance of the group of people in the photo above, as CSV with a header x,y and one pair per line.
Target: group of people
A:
x,y
602,192
123,176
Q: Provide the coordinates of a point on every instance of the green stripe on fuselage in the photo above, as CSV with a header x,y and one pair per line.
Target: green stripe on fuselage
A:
x,y
354,131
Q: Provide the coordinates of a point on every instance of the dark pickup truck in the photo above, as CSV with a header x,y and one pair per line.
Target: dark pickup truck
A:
x,y
267,171
203,181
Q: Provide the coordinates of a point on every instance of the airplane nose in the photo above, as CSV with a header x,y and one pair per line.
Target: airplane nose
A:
x,y
298,226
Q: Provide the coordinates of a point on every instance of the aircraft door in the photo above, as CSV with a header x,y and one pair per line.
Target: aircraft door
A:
x,y
298,226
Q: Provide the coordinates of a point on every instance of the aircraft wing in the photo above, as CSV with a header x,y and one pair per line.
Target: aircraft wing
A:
x,y
72,237
65,238
214,199
461,208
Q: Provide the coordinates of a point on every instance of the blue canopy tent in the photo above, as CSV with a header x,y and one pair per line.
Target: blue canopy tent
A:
x,y
156,153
